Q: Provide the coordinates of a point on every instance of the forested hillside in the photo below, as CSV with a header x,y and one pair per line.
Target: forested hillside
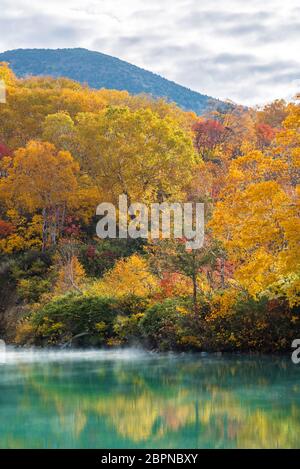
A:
x,y
64,148
103,71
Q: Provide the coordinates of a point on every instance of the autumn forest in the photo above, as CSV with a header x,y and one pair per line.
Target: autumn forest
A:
x,y
65,148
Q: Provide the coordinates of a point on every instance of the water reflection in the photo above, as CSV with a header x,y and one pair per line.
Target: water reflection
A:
x,y
133,400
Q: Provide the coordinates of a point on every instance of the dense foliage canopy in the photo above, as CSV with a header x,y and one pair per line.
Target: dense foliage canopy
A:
x,y
64,148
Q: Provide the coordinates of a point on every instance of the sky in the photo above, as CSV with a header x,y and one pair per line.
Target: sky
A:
x,y
244,50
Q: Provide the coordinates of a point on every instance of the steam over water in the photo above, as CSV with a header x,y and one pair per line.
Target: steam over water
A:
x,y
15,356
129,398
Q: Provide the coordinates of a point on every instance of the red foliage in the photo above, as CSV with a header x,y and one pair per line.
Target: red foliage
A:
x,y
4,150
6,229
208,134
72,227
169,285
265,134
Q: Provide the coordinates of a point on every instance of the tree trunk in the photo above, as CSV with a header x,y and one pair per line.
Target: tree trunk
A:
x,y
222,272
194,278
44,231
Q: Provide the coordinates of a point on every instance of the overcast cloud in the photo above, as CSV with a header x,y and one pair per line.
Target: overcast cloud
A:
x,y
245,51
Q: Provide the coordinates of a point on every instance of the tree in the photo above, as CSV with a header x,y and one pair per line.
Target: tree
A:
x,y
129,277
258,223
7,75
273,114
265,134
135,153
242,135
6,229
71,273
287,144
40,178
4,150
19,233
209,134
59,129
172,256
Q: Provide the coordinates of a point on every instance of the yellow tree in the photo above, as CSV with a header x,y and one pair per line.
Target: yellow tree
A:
x,y
29,101
273,114
59,129
240,125
40,178
135,153
71,274
7,75
130,276
258,223
287,143
25,234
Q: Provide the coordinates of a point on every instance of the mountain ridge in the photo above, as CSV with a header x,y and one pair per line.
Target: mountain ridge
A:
x,y
100,70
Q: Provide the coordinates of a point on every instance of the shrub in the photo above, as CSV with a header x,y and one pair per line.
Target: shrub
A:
x,y
75,314
254,325
91,317
127,328
32,288
132,304
25,333
32,274
171,325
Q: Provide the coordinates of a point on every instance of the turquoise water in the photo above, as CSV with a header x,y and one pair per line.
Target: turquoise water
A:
x,y
131,399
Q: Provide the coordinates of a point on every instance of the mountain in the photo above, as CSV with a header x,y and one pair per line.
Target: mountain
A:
x,y
103,71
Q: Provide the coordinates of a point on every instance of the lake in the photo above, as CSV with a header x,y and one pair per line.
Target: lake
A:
x,y
133,399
